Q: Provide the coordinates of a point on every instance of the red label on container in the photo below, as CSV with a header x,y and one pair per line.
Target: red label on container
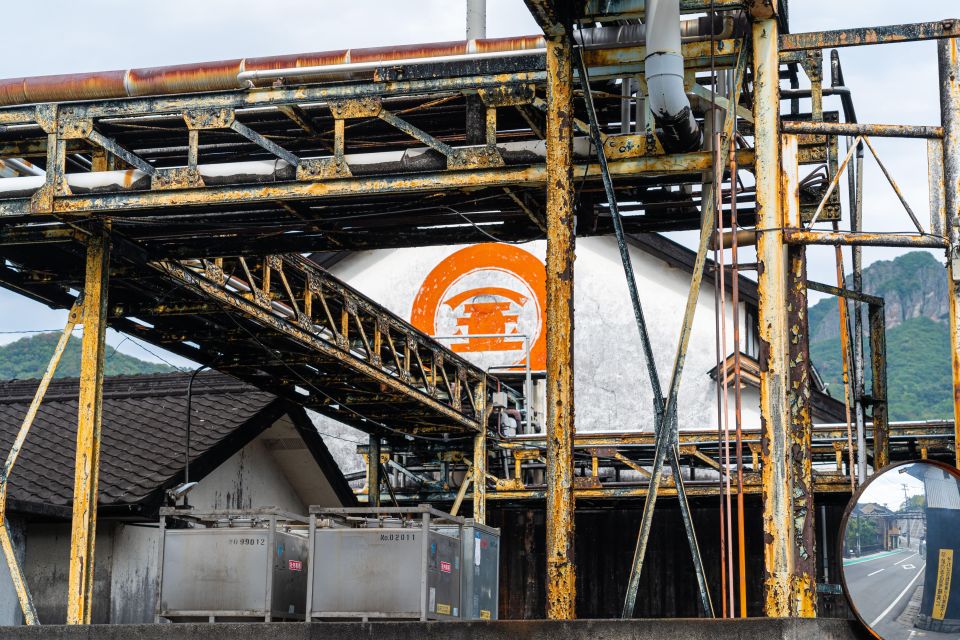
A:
x,y
295,565
445,566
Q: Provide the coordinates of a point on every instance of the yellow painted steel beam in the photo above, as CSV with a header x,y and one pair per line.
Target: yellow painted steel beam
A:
x,y
83,531
774,410
561,575
949,65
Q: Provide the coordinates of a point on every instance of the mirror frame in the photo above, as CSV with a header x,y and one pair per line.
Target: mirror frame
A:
x,y
954,471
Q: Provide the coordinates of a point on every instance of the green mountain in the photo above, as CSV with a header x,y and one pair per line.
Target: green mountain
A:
x,y
28,358
914,288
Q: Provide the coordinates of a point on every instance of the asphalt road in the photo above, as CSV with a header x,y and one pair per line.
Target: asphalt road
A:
x,y
881,584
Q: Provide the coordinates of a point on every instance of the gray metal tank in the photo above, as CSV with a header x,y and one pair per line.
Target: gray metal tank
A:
x,y
233,566
372,568
480,569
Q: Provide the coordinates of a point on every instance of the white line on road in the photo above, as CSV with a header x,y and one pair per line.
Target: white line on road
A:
x,y
894,603
874,573
903,559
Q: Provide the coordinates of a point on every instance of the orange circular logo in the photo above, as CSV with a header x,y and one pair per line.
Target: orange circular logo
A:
x,y
487,295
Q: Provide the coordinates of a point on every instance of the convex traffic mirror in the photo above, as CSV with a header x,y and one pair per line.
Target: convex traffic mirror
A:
x,y
901,550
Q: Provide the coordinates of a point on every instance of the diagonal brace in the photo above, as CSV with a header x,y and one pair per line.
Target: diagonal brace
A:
x,y
666,426
16,574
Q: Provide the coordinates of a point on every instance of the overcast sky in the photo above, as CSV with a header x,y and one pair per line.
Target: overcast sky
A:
x,y
891,84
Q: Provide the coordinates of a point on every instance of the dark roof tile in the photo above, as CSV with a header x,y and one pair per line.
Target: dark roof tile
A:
x,y
143,432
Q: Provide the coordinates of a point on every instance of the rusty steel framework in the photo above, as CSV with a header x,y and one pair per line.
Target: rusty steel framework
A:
x,y
176,204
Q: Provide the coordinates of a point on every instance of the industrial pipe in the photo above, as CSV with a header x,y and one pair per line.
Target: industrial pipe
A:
x,y
630,35
350,68
222,75
678,129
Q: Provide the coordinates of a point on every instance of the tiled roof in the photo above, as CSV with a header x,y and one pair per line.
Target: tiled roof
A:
x,y
143,433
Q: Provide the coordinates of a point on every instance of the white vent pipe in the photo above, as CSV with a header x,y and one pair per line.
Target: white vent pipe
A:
x,y
679,131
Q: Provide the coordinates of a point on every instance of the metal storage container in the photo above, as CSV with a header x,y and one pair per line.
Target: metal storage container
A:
x,y
479,569
370,567
230,565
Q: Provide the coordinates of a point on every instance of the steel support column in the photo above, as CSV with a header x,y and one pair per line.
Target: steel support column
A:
x,y
83,536
561,585
878,395
804,580
772,267
949,65
480,458
373,471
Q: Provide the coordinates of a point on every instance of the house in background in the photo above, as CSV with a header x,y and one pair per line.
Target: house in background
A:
x,y
248,449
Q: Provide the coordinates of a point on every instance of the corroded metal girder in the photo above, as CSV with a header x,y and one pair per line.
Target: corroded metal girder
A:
x,y
552,16
861,129
799,396
87,469
949,65
870,35
561,576
290,296
774,409
531,176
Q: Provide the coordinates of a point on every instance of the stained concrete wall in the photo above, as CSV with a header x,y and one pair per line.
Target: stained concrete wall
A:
x,y
751,629
611,385
47,565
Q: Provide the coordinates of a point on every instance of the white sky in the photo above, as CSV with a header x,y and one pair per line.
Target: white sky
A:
x,y
891,84
887,488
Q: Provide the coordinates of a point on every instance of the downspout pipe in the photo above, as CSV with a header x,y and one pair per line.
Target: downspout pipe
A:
x,y
677,129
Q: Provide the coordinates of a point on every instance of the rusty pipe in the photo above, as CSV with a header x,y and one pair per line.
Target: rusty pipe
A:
x,y
351,68
222,75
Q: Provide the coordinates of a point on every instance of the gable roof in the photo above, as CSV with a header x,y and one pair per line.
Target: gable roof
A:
x,y
142,450
678,256
825,408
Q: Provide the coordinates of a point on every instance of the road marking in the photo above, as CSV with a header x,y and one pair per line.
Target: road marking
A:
x,y
909,566
870,558
899,597
874,573
904,559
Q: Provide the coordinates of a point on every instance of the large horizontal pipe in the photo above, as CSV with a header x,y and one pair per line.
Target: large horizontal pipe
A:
x,y
222,75
352,68
591,38
858,129
862,238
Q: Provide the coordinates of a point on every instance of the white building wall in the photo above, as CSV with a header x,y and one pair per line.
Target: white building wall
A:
x,y
249,478
611,384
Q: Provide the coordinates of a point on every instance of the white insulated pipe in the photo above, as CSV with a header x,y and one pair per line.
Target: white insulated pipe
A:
x,y
664,74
